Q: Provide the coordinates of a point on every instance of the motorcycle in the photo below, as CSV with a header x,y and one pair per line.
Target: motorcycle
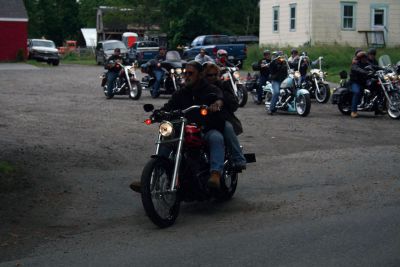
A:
x,y
172,80
183,176
232,74
315,83
292,98
125,84
382,93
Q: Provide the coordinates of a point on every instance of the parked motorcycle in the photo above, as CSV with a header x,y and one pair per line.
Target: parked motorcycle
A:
x,y
382,93
292,98
183,176
172,80
125,84
232,74
315,83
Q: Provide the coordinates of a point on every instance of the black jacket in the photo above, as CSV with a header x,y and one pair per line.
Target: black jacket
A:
x,y
358,74
278,70
198,95
231,104
114,58
264,71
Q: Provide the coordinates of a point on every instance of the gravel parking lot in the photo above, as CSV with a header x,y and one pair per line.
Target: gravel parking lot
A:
x,y
318,183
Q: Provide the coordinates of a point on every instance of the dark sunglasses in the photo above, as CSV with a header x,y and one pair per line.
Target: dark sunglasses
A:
x,y
189,73
212,74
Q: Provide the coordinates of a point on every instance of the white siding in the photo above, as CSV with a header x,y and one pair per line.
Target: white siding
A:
x,y
284,37
319,21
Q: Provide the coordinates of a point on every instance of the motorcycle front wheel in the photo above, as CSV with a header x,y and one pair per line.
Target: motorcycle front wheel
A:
x,y
136,91
394,108
241,95
161,205
324,93
303,104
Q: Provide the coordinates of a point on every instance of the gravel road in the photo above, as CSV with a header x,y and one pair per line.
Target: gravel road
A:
x,y
324,191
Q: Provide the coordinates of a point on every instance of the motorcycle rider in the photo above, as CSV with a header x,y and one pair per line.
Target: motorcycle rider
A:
x,y
196,92
358,79
157,71
113,70
263,64
372,57
202,57
278,73
294,55
294,61
222,59
233,126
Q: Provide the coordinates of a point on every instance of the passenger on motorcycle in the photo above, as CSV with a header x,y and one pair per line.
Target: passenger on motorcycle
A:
x,y
294,64
113,70
358,79
202,57
157,71
372,57
263,65
278,73
222,59
196,92
233,126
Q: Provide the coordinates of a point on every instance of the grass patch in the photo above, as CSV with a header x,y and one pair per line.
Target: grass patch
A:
x,y
74,58
336,58
6,168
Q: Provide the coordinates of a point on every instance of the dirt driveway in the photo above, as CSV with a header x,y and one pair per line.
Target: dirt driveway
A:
x,y
75,153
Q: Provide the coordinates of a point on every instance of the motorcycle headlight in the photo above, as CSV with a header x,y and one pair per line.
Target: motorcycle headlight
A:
x,y
236,74
166,129
386,77
172,70
297,74
225,77
178,71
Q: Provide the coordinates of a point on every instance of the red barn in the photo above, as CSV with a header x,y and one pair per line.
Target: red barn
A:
x,y
13,29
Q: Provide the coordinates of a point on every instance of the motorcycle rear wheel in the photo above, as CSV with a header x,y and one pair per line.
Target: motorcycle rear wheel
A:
x,y
303,104
394,109
344,105
242,95
324,93
136,91
161,205
229,182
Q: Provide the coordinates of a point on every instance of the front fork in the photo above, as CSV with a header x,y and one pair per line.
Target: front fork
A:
x,y
316,85
178,156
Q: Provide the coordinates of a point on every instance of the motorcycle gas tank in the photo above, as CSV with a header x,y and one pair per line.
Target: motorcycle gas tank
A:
x,y
287,83
193,138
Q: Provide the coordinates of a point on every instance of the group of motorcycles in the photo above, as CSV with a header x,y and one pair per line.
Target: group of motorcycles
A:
x,y
381,96
166,181
173,67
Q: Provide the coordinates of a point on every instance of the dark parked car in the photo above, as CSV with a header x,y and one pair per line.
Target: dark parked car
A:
x,y
143,51
105,49
43,50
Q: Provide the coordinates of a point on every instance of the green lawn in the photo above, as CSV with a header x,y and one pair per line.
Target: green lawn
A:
x,y
336,58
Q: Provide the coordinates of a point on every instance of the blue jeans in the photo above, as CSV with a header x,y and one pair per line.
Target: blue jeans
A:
x,y
275,95
263,81
216,145
158,74
232,143
356,90
111,76
215,142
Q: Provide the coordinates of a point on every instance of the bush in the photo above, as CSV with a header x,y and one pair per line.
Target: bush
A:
x,y
20,55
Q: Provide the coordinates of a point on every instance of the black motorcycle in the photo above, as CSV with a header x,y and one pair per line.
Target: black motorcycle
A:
x,y
183,175
173,68
125,84
382,94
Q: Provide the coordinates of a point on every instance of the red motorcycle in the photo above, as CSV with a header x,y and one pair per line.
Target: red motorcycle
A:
x,y
183,175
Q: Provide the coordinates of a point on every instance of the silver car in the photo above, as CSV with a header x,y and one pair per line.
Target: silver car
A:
x,y
105,49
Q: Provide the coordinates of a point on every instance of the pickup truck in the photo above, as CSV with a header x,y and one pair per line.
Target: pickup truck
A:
x,y
212,43
143,51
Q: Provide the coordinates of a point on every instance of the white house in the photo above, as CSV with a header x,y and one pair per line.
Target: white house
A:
x,y
348,22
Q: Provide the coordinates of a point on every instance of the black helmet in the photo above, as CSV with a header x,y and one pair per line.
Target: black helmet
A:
x,y
372,51
266,51
294,51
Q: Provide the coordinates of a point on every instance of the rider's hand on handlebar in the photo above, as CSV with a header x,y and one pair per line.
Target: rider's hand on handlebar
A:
x,y
216,106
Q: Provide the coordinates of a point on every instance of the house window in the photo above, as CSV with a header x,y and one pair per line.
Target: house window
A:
x,y
275,22
348,16
379,17
292,22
